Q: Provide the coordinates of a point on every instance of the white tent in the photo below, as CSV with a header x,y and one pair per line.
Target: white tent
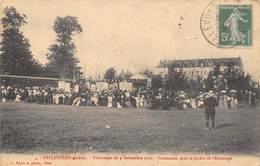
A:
x,y
138,77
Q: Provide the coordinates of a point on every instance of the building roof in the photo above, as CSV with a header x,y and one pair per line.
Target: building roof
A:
x,y
138,77
190,63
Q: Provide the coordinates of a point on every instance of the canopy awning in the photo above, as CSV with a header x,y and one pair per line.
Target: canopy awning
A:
x,y
138,77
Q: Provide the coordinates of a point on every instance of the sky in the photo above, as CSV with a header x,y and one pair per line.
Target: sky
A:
x,y
130,34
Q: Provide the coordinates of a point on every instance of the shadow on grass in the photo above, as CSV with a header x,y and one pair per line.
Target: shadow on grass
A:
x,y
225,125
8,109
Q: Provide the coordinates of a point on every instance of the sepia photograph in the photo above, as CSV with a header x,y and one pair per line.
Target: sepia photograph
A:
x,y
129,82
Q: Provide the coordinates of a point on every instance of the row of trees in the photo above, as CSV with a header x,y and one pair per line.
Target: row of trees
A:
x,y
17,59
232,77
111,75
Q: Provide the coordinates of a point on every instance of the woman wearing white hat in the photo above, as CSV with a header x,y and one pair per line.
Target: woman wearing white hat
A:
x,y
223,100
233,100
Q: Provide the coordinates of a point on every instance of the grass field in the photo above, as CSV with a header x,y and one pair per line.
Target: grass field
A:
x,y
31,128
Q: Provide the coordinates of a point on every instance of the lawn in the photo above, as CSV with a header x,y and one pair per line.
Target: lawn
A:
x,y
32,128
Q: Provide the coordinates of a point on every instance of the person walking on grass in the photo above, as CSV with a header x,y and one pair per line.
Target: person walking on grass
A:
x,y
210,104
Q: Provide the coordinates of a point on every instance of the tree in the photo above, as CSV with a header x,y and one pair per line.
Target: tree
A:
x,y
177,79
237,79
216,70
209,81
16,57
215,80
157,82
232,74
147,72
195,85
124,75
62,60
110,75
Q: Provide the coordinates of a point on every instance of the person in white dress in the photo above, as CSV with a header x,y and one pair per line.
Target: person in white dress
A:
x,y
77,101
110,101
18,98
141,101
137,97
233,102
223,101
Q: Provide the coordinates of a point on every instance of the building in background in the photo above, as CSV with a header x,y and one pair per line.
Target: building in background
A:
x,y
197,67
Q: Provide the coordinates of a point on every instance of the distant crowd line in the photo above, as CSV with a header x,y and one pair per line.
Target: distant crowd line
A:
x,y
119,98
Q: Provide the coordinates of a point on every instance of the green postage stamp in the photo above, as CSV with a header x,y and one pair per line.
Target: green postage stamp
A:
x,y
235,25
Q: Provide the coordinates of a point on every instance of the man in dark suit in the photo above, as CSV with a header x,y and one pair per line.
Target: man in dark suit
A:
x,y
210,103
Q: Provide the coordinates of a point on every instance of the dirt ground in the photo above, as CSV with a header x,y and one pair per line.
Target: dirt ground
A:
x,y
33,128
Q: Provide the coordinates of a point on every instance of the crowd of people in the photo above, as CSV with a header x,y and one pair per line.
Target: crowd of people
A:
x,y
119,98
50,95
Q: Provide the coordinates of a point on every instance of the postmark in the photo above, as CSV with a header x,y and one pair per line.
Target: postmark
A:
x,y
227,23
208,23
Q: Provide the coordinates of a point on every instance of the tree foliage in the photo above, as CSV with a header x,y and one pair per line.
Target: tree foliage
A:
x,y
209,81
16,57
110,75
195,85
231,77
147,72
216,70
62,60
157,82
177,80
13,19
124,75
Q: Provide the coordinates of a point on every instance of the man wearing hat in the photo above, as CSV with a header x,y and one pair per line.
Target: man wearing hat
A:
x,y
210,104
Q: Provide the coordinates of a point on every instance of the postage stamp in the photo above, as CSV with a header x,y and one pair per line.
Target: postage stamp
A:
x,y
227,25
235,25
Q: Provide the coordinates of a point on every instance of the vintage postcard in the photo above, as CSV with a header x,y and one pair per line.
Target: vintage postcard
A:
x,y
129,82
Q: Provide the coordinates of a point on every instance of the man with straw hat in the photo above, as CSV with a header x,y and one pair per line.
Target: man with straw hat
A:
x,y
210,104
